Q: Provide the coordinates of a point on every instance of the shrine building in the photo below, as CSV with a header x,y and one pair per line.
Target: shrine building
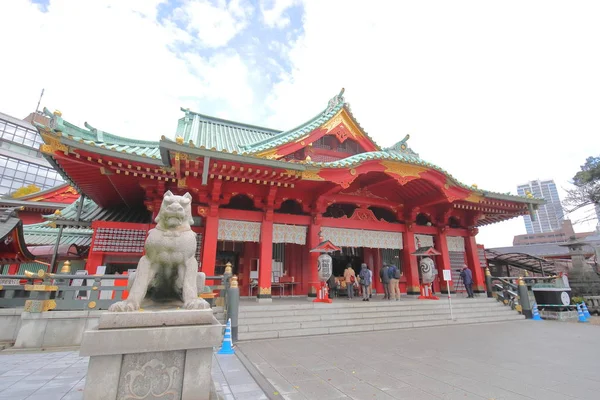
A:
x,y
263,198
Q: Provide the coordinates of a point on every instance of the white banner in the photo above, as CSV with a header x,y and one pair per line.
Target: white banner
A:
x,y
455,243
423,241
363,238
289,234
239,231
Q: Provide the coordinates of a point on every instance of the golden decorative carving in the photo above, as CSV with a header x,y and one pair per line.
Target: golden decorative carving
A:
x,y
474,198
41,288
179,140
234,281
265,290
311,175
269,154
36,306
342,117
182,183
91,304
402,169
53,145
352,172
181,156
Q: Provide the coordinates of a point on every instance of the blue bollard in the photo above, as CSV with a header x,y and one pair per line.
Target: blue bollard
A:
x,y
227,346
580,314
586,312
536,313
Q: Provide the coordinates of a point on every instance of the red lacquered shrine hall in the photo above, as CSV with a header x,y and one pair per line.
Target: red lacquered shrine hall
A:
x,y
263,198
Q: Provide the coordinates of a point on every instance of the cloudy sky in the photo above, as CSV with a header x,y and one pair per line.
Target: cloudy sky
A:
x,y
497,93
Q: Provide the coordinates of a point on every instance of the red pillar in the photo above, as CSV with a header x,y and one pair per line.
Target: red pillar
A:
x,y
13,269
474,264
93,261
265,259
410,268
377,265
443,261
311,266
209,245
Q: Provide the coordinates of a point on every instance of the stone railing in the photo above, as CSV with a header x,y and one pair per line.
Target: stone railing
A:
x,y
54,310
64,292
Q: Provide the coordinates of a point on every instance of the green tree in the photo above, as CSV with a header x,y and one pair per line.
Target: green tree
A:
x,y
586,189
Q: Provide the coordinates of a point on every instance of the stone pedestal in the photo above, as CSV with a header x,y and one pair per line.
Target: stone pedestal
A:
x,y
152,355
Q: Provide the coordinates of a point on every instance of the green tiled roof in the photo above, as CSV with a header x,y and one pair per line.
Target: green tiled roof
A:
x,y
94,137
92,212
44,235
219,134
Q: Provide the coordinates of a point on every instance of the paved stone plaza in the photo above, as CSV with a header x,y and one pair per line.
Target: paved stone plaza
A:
x,y
542,360
61,376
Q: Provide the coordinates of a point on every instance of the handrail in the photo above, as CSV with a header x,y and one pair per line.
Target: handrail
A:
x,y
46,292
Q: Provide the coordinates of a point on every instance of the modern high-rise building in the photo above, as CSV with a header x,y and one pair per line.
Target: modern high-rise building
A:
x,y
549,215
21,163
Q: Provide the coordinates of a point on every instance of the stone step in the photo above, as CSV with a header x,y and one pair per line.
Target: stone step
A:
x,y
340,303
253,320
273,334
243,327
367,307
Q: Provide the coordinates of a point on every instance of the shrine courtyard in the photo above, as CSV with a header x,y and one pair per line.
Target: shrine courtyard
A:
x,y
501,361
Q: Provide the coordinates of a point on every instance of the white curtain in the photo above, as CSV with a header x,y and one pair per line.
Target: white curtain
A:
x,y
363,238
289,234
239,231
456,243
423,241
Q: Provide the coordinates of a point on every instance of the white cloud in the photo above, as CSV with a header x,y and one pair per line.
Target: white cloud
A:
x,y
495,93
113,67
273,16
217,24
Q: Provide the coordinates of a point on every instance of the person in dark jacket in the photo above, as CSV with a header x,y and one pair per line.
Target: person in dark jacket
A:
x,y
467,277
365,281
385,279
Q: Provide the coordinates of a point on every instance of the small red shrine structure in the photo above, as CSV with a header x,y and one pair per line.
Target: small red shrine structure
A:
x,y
261,197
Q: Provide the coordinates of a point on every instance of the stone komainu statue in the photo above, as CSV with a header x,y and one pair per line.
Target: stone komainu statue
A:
x,y
169,270
428,271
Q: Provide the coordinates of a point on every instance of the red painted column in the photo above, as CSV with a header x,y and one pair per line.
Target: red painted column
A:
x,y
93,261
443,261
265,258
13,269
210,238
410,268
378,264
473,262
311,266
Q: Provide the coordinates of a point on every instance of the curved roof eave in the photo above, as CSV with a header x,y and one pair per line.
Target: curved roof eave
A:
x,y
411,158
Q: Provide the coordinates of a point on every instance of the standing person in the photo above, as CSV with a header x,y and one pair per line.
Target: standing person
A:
x,y
394,273
350,278
371,280
467,277
385,279
365,281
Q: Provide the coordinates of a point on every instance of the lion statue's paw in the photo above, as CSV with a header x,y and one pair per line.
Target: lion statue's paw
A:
x,y
196,304
124,306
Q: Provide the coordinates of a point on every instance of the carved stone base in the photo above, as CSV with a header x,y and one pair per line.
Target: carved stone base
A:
x,y
168,355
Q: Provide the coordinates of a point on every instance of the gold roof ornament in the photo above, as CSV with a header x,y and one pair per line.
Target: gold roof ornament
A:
x,y
66,268
179,140
308,159
57,113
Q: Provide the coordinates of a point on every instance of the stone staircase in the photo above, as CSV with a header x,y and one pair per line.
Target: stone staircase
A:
x,y
344,316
